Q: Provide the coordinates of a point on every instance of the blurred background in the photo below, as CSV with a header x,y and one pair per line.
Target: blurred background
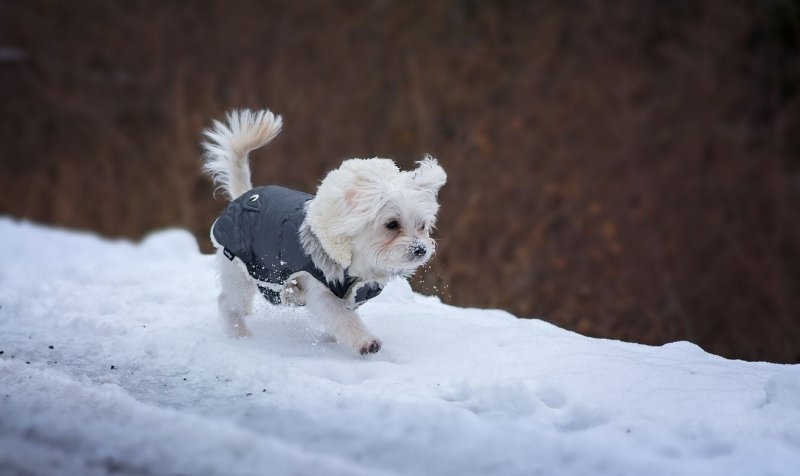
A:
x,y
626,169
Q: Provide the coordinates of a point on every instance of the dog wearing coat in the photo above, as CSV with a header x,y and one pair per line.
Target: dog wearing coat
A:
x,y
368,223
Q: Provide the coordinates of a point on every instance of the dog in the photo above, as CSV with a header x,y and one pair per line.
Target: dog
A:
x,y
368,223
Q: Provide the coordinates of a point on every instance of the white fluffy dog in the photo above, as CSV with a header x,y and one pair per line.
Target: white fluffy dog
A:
x,y
368,223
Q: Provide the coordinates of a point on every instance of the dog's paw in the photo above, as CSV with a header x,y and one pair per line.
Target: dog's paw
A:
x,y
293,293
330,338
238,331
371,346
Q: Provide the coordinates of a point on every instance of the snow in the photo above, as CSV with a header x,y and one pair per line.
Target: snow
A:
x,y
453,391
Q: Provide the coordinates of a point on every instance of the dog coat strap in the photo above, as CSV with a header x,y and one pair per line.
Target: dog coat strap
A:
x,y
367,292
272,296
360,292
338,288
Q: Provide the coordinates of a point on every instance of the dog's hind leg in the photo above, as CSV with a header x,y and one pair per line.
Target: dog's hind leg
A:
x,y
343,323
236,295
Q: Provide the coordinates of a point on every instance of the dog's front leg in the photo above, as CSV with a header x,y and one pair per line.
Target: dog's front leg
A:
x,y
343,323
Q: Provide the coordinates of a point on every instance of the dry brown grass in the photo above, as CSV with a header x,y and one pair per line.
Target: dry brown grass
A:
x,y
625,169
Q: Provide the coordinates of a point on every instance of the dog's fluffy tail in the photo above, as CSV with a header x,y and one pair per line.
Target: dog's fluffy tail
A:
x,y
227,146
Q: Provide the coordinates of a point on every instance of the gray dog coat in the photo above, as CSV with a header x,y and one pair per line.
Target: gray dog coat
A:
x,y
261,229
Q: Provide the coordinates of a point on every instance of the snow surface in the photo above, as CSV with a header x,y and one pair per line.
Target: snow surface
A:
x,y
454,391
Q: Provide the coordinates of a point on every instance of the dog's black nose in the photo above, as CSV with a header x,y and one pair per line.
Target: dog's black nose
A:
x,y
419,250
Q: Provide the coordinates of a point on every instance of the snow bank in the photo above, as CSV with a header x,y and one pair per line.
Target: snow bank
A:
x,y
140,379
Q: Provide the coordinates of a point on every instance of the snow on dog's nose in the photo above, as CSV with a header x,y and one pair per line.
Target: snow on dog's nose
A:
x,y
418,249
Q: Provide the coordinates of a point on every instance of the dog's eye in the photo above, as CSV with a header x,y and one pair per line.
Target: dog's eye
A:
x,y
392,225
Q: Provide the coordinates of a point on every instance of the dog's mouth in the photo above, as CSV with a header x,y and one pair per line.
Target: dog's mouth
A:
x,y
404,273
404,261
416,259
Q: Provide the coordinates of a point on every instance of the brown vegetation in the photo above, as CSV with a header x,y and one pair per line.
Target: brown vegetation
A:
x,y
624,169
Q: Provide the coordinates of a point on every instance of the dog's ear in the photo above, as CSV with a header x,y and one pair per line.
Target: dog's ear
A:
x,y
363,182
428,175
350,196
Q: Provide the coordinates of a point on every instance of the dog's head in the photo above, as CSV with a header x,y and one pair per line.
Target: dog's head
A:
x,y
371,217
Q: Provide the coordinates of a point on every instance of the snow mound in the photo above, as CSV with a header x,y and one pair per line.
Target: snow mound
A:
x,y
783,388
114,362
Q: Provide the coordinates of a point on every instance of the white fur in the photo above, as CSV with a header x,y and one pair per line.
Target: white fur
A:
x,y
349,225
227,148
235,299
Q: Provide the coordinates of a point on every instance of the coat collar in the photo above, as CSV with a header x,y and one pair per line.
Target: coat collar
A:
x,y
329,256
